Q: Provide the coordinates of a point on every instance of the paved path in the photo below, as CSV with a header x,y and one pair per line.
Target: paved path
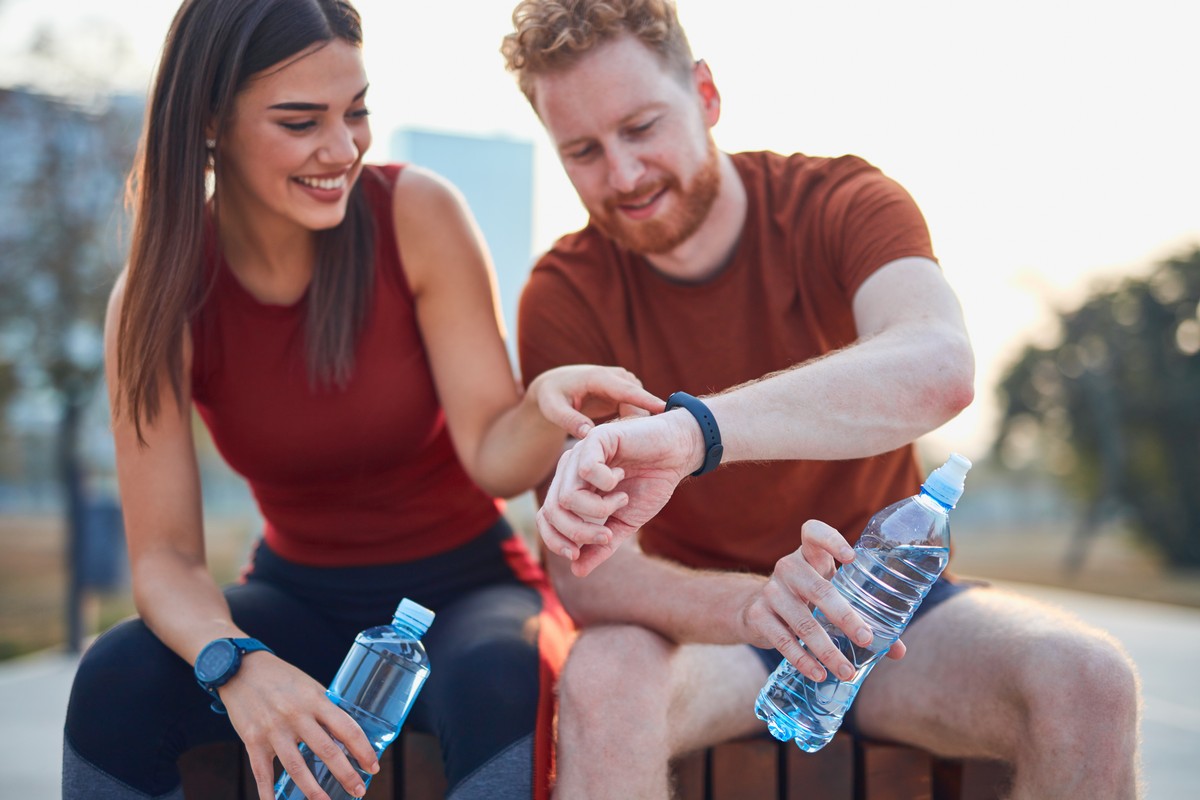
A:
x,y
1163,640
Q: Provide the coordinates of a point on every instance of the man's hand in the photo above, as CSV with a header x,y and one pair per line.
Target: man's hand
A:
x,y
781,616
612,482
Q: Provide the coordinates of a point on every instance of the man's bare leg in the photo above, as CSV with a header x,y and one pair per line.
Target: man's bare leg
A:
x,y
991,674
630,700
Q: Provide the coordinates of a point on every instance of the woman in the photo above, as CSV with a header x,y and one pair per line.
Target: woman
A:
x,y
334,325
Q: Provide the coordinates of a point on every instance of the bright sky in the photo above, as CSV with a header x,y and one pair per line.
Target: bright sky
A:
x,y
1049,144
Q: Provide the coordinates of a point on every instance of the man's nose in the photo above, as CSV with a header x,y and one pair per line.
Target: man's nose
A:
x,y
625,170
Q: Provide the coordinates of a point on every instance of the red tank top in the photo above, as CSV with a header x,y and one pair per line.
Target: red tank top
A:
x,y
364,474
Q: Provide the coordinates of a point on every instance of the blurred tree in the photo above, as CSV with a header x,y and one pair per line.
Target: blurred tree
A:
x,y
1114,408
60,250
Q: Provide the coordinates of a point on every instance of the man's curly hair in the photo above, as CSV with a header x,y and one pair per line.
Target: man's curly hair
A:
x,y
551,35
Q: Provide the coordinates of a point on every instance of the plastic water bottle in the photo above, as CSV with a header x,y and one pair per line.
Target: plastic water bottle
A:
x,y
900,554
376,685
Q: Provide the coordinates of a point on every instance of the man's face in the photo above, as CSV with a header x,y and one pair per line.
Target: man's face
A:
x,y
634,140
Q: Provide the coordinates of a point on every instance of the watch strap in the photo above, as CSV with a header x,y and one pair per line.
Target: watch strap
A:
x,y
713,449
242,646
248,645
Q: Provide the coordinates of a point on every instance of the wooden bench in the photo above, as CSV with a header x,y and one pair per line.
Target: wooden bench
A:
x,y
748,769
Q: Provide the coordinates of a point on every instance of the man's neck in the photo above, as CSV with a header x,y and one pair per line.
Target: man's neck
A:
x,y
707,250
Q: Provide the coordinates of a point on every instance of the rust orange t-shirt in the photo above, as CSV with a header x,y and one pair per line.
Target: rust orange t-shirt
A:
x,y
816,228
364,474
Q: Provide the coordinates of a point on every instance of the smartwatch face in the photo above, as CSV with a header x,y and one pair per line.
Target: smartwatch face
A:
x,y
215,660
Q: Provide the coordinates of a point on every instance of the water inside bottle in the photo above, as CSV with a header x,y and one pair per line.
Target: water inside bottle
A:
x,y
883,586
376,686
380,681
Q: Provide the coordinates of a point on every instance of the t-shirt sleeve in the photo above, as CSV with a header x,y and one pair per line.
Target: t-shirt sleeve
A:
x,y
870,221
556,324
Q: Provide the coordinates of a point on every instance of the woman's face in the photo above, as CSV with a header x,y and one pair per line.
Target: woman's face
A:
x,y
294,145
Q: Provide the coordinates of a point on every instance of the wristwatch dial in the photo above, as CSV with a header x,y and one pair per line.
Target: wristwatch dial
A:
x,y
215,661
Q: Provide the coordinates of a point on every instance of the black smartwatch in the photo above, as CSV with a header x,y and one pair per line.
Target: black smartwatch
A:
x,y
219,661
713,449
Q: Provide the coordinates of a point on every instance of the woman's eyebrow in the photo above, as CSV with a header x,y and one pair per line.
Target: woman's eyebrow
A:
x,y
303,106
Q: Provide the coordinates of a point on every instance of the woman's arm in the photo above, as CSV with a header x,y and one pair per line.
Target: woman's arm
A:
x,y
271,704
506,439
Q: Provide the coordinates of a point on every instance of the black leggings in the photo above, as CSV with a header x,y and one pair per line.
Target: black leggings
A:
x,y
135,706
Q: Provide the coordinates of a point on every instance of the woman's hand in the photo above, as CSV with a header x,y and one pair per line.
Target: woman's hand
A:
x,y
273,707
781,615
574,396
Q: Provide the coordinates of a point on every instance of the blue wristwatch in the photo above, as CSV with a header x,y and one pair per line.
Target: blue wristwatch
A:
x,y
713,449
219,661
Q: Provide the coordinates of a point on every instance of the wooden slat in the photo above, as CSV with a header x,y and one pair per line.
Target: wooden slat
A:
x,y
947,779
381,786
829,772
985,780
740,770
747,769
894,772
689,776
213,770
421,760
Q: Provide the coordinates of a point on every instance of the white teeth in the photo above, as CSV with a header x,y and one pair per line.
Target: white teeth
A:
x,y
644,203
323,183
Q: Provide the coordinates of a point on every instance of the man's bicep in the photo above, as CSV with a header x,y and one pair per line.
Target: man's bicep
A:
x,y
907,290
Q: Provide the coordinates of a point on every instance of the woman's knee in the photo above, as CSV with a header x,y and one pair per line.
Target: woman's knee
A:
x,y
484,685
497,674
123,716
127,673
483,652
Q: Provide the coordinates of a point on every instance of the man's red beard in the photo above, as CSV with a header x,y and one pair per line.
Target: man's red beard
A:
x,y
664,234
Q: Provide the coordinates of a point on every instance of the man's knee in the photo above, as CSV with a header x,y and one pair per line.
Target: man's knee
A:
x,y
1086,687
612,666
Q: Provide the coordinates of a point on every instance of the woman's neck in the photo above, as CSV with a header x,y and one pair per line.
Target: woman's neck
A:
x,y
272,259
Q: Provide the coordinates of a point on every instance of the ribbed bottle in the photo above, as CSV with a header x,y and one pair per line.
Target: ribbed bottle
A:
x,y
900,554
376,685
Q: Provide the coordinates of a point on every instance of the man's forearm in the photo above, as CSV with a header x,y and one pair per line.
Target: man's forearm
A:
x,y
879,394
910,371
681,604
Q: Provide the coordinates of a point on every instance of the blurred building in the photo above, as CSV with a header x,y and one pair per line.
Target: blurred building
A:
x,y
496,176
64,162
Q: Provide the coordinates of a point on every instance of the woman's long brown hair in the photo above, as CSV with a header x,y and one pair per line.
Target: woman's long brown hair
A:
x,y
212,48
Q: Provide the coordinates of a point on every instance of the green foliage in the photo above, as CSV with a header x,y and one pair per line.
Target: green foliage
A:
x,y
1114,408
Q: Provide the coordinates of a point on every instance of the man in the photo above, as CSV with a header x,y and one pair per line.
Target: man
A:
x,y
800,296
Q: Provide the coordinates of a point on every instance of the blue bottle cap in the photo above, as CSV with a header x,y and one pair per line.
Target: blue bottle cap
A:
x,y
945,484
414,614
